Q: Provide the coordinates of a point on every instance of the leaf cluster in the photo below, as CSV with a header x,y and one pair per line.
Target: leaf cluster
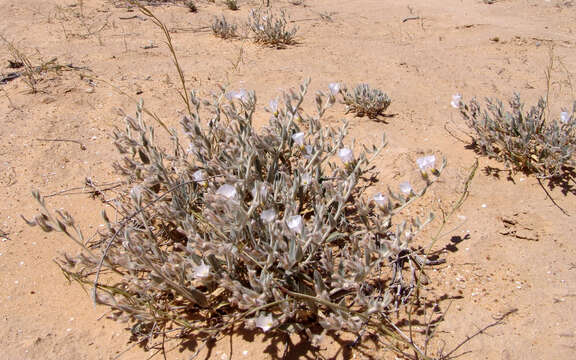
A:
x,y
232,225
366,101
524,140
271,28
223,29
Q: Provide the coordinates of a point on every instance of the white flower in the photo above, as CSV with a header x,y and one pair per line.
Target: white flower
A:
x,y
306,179
136,191
268,216
239,95
199,176
405,187
345,155
136,194
202,271
380,200
334,88
227,190
259,189
298,138
264,322
564,117
274,106
309,151
426,162
456,101
295,223
190,148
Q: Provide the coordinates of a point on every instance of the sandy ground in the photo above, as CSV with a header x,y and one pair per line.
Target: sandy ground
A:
x,y
518,250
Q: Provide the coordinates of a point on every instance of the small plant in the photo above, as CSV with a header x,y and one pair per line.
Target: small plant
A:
x,y
222,28
191,6
524,141
271,28
30,74
232,5
269,229
18,57
365,101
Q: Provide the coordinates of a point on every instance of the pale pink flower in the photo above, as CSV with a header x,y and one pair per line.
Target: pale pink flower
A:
x,y
346,155
227,190
241,94
564,117
264,322
426,162
306,179
295,223
274,106
334,88
299,138
202,271
380,200
199,176
268,216
456,101
405,187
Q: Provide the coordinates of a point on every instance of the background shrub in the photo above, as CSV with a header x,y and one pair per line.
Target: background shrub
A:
x,y
366,101
271,28
524,140
222,28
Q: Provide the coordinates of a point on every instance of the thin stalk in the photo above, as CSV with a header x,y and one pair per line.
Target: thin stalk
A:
x,y
439,233
184,93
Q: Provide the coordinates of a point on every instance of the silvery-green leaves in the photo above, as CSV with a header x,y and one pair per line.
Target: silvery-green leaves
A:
x,y
271,227
271,28
364,100
224,29
524,140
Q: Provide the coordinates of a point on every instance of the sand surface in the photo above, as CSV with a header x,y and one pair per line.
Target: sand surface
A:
x,y
518,250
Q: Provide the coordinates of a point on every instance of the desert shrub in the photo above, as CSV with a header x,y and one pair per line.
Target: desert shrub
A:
x,y
524,140
272,229
232,4
271,28
222,28
365,101
191,6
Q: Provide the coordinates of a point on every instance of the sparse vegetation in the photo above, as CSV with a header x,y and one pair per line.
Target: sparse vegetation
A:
x,y
524,140
271,28
366,101
232,5
191,6
228,226
23,61
30,74
222,28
